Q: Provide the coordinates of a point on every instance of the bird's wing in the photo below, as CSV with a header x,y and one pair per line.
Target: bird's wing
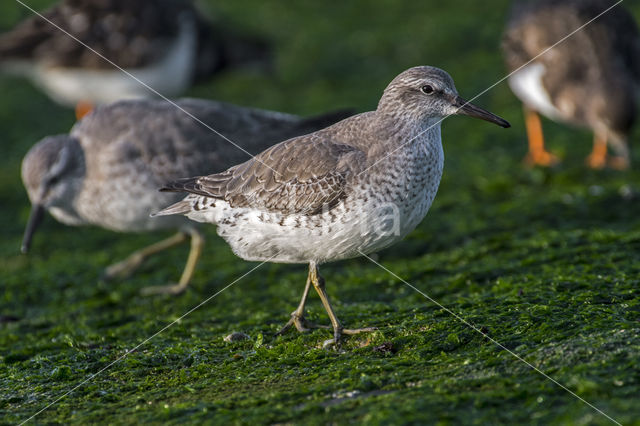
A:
x,y
129,33
169,144
534,26
625,39
26,37
303,175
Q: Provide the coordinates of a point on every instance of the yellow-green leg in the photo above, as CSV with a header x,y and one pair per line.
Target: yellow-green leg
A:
x,y
338,330
197,241
127,266
297,317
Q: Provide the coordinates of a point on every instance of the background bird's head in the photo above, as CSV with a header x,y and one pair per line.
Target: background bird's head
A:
x,y
52,173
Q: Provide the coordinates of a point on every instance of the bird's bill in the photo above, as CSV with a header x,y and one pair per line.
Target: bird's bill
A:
x,y
37,213
467,108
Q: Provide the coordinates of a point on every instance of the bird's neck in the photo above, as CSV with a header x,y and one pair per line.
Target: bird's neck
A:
x,y
405,133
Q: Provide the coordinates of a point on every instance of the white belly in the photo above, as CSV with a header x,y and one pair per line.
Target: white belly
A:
x,y
340,234
364,223
527,85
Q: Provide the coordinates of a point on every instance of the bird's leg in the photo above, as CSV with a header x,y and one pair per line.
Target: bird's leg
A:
x,y
83,108
197,241
621,161
338,330
297,316
537,154
127,266
598,157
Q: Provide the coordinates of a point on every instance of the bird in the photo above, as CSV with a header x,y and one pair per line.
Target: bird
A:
x,y
105,172
165,44
575,62
353,188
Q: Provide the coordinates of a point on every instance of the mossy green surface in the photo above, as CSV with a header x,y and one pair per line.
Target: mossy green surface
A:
x,y
546,262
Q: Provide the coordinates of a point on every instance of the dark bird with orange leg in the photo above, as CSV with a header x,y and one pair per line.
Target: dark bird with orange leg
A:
x,y
575,62
165,44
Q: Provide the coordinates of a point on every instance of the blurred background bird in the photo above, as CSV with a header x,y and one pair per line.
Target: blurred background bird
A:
x,y
590,79
165,44
107,171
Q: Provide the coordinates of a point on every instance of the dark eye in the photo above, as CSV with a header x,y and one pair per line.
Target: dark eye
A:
x,y
427,89
53,180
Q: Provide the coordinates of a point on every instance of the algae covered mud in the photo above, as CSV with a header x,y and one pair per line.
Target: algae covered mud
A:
x,y
543,261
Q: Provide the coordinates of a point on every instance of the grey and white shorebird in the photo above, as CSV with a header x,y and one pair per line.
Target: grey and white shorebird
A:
x,y
353,188
107,170
575,62
167,44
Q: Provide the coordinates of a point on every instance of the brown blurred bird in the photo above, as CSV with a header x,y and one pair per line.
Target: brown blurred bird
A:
x,y
591,79
107,170
166,44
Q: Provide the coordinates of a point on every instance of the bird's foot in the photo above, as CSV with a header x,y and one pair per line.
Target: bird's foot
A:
x,y
300,322
541,158
171,289
123,268
618,163
337,335
82,109
596,161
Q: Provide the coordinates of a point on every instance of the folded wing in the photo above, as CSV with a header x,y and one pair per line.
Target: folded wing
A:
x,y
303,175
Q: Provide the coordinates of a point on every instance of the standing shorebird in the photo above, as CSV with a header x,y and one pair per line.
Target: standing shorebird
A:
x,y
166,44
590,79
355,187
106,171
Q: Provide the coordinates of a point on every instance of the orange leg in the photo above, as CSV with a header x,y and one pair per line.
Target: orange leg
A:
x,y
598,157
622,159
537,154
83,108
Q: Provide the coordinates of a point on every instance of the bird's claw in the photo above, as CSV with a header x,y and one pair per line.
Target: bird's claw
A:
x,y
301,324
171,289
543,158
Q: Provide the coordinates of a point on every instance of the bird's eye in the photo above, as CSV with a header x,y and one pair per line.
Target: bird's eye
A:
x,y
427,89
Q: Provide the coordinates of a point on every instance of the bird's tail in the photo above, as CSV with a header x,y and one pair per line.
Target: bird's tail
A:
x,y
180,185
181,207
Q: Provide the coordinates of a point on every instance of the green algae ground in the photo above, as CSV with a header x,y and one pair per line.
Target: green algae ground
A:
x,y
546,262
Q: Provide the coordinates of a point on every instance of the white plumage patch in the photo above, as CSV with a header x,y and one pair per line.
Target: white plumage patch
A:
x,y
527,85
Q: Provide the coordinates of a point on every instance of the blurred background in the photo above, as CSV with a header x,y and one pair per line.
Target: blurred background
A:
x,y
541,256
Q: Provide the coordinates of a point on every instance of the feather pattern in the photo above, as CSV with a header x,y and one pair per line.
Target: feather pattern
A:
x,y
301,175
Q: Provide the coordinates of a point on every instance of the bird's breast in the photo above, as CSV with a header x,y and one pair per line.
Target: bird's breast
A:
x,y
406,184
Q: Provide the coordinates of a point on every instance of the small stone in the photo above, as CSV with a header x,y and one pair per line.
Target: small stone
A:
x,y
385,348
626,192
236,337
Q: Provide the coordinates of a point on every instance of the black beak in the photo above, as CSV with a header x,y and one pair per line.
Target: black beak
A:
x,y
471,110
37,213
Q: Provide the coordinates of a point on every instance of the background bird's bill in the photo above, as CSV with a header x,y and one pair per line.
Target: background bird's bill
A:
x,y
37,213
467,108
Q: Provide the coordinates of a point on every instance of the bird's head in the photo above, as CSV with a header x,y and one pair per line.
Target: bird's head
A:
x,y
51,172
428,94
